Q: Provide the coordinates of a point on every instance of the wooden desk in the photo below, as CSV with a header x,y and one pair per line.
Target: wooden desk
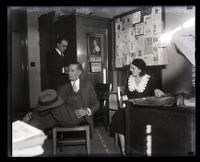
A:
x,y
173,130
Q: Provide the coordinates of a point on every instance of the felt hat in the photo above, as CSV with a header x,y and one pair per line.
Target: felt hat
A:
x,y
48,99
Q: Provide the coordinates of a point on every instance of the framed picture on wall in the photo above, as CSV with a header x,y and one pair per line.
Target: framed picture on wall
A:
x,y
94,44
139,29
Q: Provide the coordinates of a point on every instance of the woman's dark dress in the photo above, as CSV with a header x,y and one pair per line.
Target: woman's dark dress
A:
x,y
118,120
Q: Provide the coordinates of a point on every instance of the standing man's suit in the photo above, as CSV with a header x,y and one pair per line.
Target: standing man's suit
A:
x,y
55,63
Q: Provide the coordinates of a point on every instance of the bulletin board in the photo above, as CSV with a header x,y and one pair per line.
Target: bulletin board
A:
x,y
137,35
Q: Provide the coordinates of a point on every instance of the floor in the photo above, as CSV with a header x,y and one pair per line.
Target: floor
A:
x,y
102,145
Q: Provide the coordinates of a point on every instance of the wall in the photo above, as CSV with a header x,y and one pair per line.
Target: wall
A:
x,y
34,56
176,78
92,25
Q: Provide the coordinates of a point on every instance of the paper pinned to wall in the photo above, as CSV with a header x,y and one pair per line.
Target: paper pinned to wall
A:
x,y
135,17
148,25
155,44
157,19
156,14
132,46
128,22
119,62
139,29
162,56
148,45
125,22
118,24
140,46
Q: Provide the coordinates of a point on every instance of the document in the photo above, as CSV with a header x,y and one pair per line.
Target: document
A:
x,y
26,138
28,152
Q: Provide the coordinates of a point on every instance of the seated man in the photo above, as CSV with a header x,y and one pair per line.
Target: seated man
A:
x,y
79,98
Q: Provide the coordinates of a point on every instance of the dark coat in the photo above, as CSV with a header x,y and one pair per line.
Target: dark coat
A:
x,y
55,63
88,99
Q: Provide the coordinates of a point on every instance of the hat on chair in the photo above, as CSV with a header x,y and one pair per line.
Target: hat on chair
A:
x,y
48,99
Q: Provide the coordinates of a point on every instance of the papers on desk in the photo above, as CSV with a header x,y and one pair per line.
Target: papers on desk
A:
x,y
154,101
26,140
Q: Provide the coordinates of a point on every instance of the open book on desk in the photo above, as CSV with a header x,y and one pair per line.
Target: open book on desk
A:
x,y
26,137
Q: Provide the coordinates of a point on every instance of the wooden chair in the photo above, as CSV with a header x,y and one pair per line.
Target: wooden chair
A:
x,y
102,95
84,140
114,104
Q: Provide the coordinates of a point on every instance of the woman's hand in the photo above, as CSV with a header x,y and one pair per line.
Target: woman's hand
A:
x,y
124,98
158,93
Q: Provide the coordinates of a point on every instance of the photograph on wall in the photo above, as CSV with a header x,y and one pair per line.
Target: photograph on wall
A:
x,y
139,29
95,44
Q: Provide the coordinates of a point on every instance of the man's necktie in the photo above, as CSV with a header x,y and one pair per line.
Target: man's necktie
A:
x,y
75,88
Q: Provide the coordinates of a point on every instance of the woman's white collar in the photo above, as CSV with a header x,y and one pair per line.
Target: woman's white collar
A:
x,y
132,86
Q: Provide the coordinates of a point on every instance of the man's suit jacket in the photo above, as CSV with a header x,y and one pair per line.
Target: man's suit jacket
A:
x,y
88,97
55,63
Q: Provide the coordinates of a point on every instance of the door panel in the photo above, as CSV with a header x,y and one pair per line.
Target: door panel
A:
x,y
17,75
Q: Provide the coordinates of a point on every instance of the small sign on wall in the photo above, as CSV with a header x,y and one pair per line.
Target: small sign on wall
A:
x,y
96,67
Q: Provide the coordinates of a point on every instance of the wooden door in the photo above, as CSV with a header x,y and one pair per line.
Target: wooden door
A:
x,y
46,32
19,65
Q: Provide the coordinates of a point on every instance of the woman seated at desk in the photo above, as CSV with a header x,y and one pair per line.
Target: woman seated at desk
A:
x,y
140,84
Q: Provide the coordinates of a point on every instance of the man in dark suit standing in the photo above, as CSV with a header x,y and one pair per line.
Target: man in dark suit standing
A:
x,y
56,63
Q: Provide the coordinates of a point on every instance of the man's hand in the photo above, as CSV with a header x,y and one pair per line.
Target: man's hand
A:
x,y
81,112
27,117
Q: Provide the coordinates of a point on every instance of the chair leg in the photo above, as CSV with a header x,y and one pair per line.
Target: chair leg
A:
x,y
88,140
61,147
116,141
54,141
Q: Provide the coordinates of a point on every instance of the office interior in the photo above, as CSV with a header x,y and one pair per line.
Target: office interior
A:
x,y
33,30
